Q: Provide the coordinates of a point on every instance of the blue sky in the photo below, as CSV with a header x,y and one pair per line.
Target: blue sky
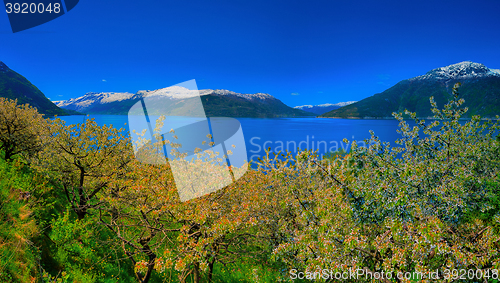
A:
x,y
302,52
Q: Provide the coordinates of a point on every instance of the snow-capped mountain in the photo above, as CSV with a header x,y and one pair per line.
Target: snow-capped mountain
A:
x,y
91,99
222,92
461,71
480,88
323,108
83,103
217,102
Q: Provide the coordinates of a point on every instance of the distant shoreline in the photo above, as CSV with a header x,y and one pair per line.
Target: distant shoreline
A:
x,y
298,117
392,118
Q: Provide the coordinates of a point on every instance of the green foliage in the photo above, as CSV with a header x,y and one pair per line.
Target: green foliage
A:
x,y
426,204
451,158
18,255
332,156
83,210
491,204
87,252
251,272
83,159
21,129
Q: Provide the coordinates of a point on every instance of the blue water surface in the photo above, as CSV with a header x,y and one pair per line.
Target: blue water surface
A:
x,y
324,135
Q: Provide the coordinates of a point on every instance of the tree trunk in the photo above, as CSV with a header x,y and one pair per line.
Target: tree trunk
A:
x,y
152,257
81,210
81,213
8,154
211,269
82,202
196,273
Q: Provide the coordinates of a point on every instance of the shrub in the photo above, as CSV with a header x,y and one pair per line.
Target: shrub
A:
x,y
397,208
21,129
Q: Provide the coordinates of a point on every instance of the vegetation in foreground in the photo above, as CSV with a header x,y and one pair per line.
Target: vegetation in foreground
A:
x,y
78,207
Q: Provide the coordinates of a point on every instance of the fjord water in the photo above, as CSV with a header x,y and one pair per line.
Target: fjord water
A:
x,y
324,135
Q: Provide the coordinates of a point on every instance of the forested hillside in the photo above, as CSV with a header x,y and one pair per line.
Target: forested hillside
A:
x,y
15,86
480,89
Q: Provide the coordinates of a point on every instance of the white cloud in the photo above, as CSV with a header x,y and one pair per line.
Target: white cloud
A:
x,y
295,93
103,80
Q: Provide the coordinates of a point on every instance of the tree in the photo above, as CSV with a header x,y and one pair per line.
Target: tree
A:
x,y
160,232
21,129
83,159
397,209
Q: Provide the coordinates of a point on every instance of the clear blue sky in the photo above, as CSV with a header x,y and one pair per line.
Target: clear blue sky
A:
x,y
324,51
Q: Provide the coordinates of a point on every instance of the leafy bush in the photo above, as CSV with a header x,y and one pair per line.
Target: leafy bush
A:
x,y
21,129
397,209
87,252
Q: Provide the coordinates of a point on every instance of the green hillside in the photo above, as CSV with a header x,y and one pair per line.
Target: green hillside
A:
x,y
403,95
481,94
223,106
15,86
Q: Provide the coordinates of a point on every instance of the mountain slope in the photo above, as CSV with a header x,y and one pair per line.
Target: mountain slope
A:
x,y
323,108
15,86
480,89
221,103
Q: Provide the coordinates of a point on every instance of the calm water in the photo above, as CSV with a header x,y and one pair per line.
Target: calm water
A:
x,y
323,135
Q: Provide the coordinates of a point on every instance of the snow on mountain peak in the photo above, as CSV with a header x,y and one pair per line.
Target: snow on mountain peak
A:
x,y
94,97
173,92
303,106
177,92
247,96
340,104
462,70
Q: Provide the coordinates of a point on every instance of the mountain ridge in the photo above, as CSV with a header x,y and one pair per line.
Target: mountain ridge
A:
x,y
15,86
323,108
218,102
480,89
